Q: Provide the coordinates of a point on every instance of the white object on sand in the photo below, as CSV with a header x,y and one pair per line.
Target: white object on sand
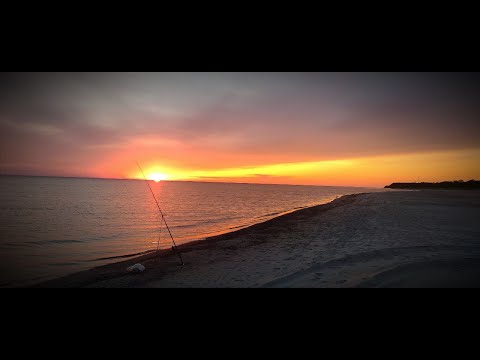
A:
x,y
137,268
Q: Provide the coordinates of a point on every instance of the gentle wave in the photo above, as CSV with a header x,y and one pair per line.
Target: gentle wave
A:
x,y
37,243
123,256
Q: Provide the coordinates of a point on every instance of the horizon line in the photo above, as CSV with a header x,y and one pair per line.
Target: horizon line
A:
x,y
193,181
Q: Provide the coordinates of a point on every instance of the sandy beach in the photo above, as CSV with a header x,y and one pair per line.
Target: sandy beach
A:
x,y
428,238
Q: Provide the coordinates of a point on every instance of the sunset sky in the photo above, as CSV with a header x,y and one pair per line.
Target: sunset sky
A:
x,y
359,129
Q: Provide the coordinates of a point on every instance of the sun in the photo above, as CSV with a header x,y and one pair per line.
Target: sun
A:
x,y
157,177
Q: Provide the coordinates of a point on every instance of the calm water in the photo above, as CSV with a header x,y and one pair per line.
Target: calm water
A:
x,y
50,227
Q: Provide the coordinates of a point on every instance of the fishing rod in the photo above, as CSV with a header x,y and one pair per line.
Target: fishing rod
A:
x,y
174,247
159,235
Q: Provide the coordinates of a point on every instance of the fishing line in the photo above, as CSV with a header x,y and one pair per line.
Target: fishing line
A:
x,y
174,247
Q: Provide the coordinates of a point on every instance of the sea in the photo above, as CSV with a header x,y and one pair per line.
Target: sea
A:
x,y
51,227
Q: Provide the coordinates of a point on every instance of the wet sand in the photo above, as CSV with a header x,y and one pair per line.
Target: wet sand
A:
x,y
392,239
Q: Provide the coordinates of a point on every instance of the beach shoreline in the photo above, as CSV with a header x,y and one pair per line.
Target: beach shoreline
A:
x,y
345,243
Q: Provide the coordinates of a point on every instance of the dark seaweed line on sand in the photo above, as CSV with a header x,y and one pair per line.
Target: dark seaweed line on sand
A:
x,y
117,269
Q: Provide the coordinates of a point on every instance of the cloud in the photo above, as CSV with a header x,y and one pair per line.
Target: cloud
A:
x,y
218,120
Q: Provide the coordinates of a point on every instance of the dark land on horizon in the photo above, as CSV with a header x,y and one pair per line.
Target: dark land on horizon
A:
x,y
450,185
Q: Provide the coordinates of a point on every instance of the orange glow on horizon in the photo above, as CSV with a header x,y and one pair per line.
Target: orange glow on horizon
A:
x,y
369,171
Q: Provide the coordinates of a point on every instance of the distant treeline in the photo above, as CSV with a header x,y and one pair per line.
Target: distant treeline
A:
x,y
460,184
